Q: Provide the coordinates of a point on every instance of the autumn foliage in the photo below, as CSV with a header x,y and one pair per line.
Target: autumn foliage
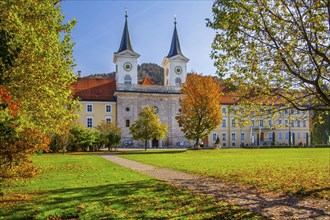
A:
x,y
36,74
148,126
17,142
200,106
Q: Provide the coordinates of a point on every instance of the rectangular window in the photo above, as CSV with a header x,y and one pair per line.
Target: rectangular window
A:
x,y
224,111
243,136
261,122
107,108
270,136
89,122
304,123
252,122
233,136
214,137
286,135
292,123
233,122
298,123
286,121
224,123
298,135
298,112
280,121
292,111
286,111
127,123
224,137
108,119
280,135
270,123
89,108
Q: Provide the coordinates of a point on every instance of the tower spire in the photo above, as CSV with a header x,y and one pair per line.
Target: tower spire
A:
x,y
175,45
125,43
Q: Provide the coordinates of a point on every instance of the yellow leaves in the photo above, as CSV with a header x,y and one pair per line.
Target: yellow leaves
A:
x,y
200,105
148,126
41,72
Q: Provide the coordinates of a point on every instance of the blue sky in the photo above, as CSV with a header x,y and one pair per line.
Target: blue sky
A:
x,y
100,24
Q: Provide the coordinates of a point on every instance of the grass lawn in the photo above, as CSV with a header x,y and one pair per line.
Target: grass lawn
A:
x,y
302,172
89,187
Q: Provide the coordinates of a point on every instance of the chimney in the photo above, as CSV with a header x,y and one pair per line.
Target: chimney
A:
x,y
79,73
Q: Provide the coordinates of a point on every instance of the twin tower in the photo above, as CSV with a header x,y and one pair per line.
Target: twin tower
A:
x,y
174,64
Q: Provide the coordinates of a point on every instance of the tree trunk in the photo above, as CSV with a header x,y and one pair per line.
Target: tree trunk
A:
x,y
197,143
145,144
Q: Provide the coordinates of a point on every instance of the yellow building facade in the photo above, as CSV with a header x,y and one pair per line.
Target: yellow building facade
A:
x,y
284,127
94,112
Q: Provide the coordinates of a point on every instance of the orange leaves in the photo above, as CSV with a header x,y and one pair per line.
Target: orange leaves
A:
x,y
17,141
200,106
7,103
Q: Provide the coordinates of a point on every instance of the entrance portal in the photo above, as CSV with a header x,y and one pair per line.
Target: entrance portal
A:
x,y
155,143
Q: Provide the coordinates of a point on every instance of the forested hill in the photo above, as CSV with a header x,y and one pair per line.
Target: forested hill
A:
x,y
153,71
102,75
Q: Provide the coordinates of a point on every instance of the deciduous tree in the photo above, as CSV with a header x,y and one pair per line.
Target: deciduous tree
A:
x,y
321,127
36,71
17,141
83,138
110,134
275,49
200,106
36,63
148,126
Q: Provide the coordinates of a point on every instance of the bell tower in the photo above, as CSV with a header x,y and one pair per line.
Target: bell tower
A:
x,y
175,63
126,59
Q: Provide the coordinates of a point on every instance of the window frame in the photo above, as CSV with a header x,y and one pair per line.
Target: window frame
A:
x,y
91,121
89,105
224,123
106,108
108,117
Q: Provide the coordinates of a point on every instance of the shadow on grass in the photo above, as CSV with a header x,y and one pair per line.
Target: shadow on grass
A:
x,y
140,199
292,206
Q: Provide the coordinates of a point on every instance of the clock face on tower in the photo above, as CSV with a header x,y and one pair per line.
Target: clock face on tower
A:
x,y
178,70
127,66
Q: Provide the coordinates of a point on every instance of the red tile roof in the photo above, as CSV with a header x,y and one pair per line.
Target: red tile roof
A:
x,y
93,89
146,81
103,89
228,96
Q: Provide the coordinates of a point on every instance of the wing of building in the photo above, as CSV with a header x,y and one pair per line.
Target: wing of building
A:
x,y
120,100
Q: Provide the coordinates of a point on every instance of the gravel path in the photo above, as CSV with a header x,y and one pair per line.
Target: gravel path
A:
x,y
269,204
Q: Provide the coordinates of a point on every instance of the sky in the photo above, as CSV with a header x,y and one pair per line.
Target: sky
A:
x,y
100,24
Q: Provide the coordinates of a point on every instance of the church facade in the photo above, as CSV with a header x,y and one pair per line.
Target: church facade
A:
x,y
119,100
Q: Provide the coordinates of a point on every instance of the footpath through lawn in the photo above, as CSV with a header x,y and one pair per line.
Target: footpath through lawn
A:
x,y
302,172
89,187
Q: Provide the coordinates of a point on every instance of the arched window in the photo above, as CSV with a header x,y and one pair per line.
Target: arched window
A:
x,y
127,79
177,81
